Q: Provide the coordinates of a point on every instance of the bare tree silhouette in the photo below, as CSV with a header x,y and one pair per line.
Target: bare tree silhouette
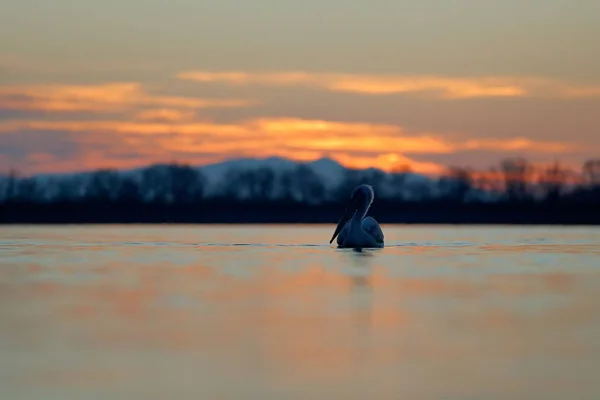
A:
x,y
171,183
457,184
517,172
591,172
552,180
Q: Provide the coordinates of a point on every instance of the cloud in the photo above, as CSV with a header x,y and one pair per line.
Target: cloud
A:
x,y
108,97
517,144
177,137
318,135
436,86
165,115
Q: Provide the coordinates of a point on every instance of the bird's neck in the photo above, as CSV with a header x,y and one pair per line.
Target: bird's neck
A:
x,y
360,214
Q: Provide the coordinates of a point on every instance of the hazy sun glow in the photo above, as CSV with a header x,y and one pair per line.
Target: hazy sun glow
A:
x,y
161,135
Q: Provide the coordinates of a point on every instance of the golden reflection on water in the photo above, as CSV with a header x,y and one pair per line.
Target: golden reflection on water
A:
x,y
171,312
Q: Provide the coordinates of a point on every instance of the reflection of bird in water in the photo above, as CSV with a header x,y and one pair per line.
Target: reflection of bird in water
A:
x,y
361,252
360,303
361,261
353,229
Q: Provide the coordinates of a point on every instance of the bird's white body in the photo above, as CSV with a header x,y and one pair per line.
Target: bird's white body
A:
x,y
359,231
368,234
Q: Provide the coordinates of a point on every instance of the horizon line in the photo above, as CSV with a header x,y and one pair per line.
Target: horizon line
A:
x,y
401,168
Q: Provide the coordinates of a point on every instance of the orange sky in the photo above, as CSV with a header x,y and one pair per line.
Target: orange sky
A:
x,y
61,127
112,92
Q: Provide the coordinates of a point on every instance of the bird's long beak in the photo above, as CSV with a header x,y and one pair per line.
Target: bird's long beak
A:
x,y
348,212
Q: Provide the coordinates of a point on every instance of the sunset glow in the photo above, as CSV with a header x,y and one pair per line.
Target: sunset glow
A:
x,y
385,92
159,136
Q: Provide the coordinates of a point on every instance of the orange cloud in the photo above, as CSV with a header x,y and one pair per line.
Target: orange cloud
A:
x,y
517,144
165,115
297,133
109,97
125,127
441,87
352,144
446,88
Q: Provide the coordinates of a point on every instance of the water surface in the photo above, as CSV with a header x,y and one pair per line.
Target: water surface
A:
x,y
275,312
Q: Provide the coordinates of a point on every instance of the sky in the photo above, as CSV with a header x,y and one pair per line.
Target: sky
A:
x,y
386,84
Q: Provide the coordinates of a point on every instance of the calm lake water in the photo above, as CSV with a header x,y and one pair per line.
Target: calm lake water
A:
x,y
275,312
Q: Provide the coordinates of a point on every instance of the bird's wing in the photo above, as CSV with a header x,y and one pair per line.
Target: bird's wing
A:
x,y
370,225
342,235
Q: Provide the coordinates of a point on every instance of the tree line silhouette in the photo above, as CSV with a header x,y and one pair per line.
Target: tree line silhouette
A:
x,y
514,191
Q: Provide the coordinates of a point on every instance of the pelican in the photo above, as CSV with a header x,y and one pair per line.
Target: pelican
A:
x,y
353,229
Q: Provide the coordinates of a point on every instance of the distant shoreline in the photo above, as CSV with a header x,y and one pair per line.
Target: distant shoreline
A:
x,y
45,223
277,213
